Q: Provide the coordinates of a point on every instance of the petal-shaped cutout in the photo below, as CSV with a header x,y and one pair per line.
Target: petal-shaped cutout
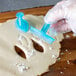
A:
x,y
19,51
37,46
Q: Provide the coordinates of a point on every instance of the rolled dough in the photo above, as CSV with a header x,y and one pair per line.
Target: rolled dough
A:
x,y
35,63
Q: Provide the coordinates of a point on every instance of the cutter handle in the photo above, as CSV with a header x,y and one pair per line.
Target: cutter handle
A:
x,y
45,27
21,24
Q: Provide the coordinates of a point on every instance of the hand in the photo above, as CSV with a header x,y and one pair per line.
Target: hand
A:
x,y
63,16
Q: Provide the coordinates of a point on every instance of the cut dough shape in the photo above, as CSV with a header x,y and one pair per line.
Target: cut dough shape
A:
x,y
67,36
35,63
74,34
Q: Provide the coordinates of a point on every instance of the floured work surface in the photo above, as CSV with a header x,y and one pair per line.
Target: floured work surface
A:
x,y
27,55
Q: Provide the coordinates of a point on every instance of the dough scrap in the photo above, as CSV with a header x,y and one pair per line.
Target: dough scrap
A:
x,y
36,63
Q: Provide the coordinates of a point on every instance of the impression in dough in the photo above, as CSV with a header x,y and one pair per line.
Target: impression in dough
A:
x,y
23,54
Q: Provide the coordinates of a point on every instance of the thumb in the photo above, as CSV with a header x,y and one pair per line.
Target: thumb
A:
x,y
58,12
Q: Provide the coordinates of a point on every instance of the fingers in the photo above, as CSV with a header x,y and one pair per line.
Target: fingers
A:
x,y
55,14
61,26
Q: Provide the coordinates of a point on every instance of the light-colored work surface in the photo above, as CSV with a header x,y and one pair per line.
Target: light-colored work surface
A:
x,y
10,5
